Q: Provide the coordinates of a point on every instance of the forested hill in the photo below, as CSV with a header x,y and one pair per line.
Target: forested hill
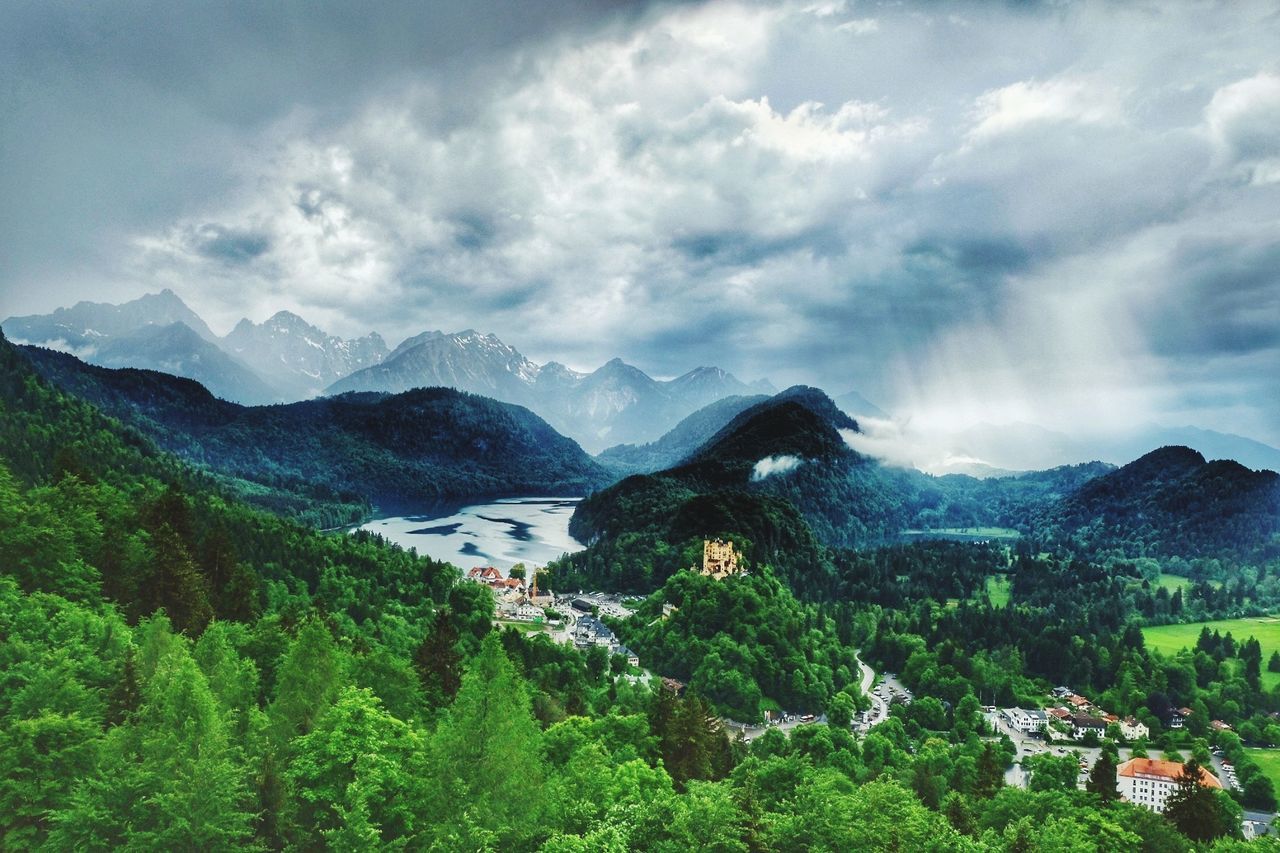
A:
x,y
1169,503
681,441
404,450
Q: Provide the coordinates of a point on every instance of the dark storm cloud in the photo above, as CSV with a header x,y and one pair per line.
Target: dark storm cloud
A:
x,y
228,245
1056,212
1229,299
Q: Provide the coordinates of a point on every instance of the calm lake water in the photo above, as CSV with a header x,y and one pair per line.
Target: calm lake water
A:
x,y
500,534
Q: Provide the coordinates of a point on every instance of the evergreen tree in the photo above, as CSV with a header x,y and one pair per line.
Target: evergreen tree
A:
x,y
438,661
165,782
487,751
1193,808
1102,778
178,586
306,683
990,772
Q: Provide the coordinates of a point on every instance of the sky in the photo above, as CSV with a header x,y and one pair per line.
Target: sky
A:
x,y
1064,213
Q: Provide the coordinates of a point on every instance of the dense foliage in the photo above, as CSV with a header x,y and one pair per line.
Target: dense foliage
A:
x,y
742,641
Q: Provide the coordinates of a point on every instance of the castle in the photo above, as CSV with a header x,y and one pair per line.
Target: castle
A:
x,y
719,560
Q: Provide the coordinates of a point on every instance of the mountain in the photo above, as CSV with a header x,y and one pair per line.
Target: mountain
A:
x,y
155,332
1024,446
298,359
681,441
466,361
1173,503
179,350
618,403
409,450
857,406
83,328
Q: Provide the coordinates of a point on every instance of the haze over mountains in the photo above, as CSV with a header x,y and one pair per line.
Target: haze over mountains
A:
x,y
286,359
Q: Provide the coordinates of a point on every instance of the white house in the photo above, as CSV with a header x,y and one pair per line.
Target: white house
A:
x,y
1082,725
1033,720
1132,729
1148,782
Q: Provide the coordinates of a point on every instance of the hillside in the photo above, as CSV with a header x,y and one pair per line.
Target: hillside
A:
x,y
406,450
681,441
1170,502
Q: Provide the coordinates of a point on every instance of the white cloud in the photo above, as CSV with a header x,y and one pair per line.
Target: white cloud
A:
x,y
1243,121
1029,102
771,465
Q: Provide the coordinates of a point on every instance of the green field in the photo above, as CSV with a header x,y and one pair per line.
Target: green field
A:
x,y
999,588
527,627
1269,761
1173,582
1170,639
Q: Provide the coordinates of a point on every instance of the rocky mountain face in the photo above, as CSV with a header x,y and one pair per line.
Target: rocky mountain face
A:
x,y
84,327
296,357
617,403
179,350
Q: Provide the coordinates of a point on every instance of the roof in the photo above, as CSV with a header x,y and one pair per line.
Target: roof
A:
x,y
1167,770
1088,722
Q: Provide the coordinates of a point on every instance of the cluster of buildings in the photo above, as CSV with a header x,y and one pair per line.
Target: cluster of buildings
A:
x,y
1078,716
514,598
590,631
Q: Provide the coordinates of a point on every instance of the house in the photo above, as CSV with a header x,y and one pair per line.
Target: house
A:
x,y
1132,729
1219,726
590,631
1148,782
674,685
1059,714
1078,702
1061,692
1021,720
1178,717
1082,725
582,605
633,659
484,574
528,612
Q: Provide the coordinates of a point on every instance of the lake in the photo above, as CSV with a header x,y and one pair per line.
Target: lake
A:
x,y
500,534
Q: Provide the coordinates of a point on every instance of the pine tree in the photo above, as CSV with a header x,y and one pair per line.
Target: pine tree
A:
x,y
307,682
357,772
990,773
179,587
1193,808
487,750
1102,779
438,662
166,781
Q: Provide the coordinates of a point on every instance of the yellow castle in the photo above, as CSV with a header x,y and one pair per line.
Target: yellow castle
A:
x,y
719,560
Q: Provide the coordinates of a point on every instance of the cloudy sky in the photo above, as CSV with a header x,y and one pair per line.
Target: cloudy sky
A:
x,y
1065,213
